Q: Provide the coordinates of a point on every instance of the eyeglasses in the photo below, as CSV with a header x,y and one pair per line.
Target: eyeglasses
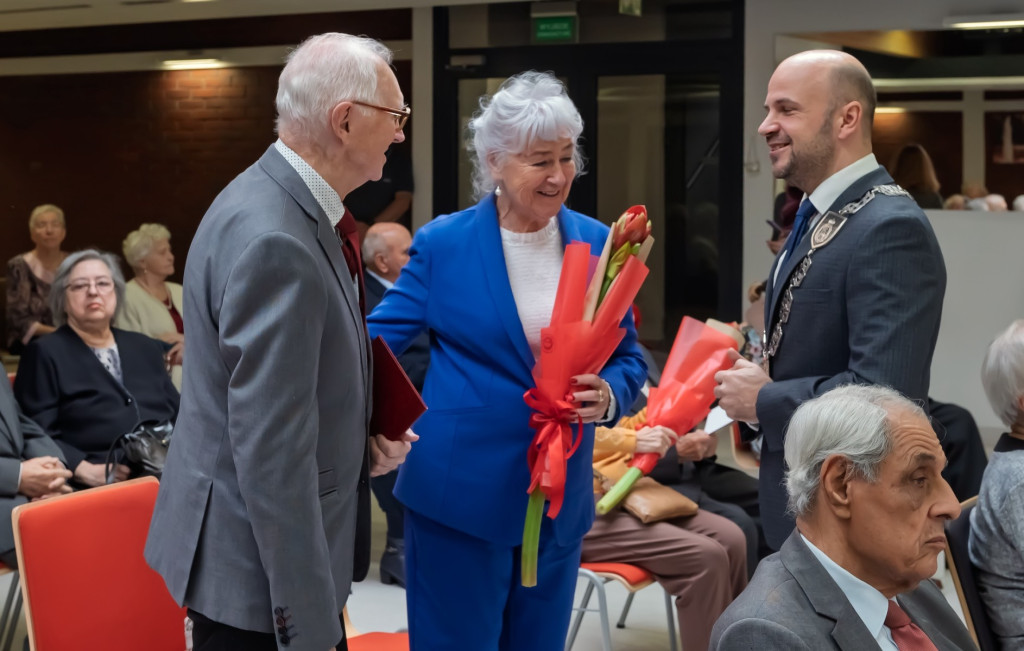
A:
x,y
401,115
103,286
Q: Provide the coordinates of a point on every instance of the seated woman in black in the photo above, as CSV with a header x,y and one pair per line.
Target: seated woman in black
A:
x,y
88,383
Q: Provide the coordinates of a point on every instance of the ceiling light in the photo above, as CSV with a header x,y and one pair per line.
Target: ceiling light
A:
x,y
193,64
890,109
989,21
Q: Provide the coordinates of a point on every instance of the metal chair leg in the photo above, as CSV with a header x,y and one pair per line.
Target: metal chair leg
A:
x,y
6,622
673,643
12,625
580,611
625,611
606,629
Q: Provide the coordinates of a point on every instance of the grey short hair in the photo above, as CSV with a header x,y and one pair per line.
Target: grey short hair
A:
x,y
1002,373
374,242
853,421
58,290
140,242
42,210
528,107
322,71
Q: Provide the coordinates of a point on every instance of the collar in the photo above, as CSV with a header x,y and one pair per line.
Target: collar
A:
x,y
381,279
321,190
826,194
870,604
1007,443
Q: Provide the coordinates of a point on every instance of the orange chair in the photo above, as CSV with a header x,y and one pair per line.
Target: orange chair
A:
x,y
631,577
85,583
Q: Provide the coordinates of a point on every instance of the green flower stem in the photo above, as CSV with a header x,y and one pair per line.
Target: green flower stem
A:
x,y
619,491
531,537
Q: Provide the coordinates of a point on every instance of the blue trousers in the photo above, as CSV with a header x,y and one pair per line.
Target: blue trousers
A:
x,y
463,593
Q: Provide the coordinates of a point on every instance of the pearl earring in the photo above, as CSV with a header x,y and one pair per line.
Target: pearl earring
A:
x,y
497,191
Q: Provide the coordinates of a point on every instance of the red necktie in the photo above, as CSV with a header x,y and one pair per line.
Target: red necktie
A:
x,y
349,234
905,633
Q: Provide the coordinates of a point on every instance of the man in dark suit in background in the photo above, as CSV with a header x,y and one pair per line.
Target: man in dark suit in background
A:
x,y
256,520
385,252
31,466
855,296
865,484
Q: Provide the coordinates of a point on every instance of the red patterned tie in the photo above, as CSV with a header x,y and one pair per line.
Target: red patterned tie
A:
x,y
349,234
905,633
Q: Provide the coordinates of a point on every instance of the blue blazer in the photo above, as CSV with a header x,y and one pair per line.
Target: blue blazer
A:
x,y
469,469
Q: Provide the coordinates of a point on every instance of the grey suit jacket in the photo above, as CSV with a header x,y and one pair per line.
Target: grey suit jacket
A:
x,y
20,438
255,519
793,604
867,312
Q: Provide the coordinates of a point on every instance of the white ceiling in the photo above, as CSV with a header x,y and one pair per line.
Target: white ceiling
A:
x,y
18,15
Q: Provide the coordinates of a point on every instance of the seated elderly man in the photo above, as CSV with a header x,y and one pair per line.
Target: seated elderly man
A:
x,y
31,466
865,484
996,543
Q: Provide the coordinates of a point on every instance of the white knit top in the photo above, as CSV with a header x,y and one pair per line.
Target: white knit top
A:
x,y
534,264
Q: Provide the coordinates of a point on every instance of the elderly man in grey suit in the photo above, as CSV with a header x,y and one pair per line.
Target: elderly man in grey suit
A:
x,y
255,524
865,483
855,296
31,466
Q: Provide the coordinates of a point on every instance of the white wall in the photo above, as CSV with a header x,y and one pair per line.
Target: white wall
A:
x,y
982,251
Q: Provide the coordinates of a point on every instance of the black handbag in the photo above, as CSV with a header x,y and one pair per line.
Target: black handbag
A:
x,y
143,450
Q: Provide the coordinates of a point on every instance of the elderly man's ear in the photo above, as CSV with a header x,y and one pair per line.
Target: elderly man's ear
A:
x,y
339,117
836,473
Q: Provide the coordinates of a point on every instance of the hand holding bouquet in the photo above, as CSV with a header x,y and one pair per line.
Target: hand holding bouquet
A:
x,y
683,398
583,334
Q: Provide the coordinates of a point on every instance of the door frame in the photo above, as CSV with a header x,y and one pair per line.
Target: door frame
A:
x,y
582,65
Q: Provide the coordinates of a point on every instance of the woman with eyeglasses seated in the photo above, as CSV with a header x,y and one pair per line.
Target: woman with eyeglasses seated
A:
x,y
88,383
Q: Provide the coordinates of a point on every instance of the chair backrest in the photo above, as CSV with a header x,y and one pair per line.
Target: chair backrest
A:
x,y
86,584
962,571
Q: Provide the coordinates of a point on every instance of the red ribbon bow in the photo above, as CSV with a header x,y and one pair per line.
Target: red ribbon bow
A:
x,y
552,445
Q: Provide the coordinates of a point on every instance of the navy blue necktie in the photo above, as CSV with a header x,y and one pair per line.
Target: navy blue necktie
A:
x,y
803,219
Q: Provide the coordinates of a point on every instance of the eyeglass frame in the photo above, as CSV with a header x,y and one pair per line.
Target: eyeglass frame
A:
x,y
402,114
83,285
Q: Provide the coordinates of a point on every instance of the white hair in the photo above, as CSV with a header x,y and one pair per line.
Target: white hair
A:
x,y
324,70
1018,202
139,243
852,421
528,107
1002,373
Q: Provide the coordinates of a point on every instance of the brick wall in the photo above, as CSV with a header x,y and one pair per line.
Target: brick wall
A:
x,y
115,150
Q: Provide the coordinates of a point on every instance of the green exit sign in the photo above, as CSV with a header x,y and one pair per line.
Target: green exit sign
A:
x,y
554,29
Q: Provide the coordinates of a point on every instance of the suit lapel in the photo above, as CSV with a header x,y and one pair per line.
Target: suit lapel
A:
x,y
9,414
281,171
852,193
921,617
496,275
828,600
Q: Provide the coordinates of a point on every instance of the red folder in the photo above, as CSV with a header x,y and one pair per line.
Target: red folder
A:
x,y
396,402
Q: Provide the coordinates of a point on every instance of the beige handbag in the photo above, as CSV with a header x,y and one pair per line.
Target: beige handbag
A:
x,y
651,502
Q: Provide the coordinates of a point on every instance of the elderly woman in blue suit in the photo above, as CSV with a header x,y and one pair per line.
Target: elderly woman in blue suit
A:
x,y
482,282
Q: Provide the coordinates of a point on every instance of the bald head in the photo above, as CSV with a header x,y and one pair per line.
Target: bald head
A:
x,y
848,80
821,106
386,249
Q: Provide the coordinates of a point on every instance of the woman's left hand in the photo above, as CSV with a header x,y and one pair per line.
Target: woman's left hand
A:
x,y
594,397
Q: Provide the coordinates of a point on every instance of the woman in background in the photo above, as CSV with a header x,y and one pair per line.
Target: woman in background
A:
x,y
29,276
912,169
152,305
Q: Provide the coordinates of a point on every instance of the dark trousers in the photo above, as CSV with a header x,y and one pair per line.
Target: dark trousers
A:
x,y
208,635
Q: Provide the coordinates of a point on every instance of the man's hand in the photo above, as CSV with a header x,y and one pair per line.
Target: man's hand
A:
x,y
387,455
43,476
696,445
738,388
655,439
